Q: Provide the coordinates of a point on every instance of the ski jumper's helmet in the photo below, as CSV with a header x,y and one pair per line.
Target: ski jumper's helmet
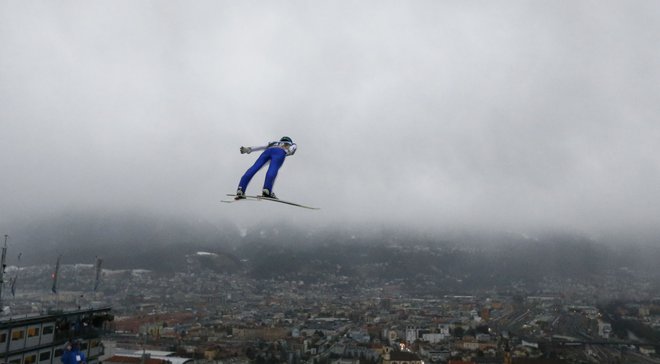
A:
x,y
286,139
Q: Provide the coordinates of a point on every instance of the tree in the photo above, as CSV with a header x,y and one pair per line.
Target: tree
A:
x,y
483,329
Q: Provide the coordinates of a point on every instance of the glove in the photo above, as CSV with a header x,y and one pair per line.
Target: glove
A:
x,y
245,150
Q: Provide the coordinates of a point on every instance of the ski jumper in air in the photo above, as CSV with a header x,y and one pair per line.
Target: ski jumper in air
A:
x,y
275,153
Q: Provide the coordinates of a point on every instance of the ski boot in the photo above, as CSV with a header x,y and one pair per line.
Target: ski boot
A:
x,y
266,193
239,194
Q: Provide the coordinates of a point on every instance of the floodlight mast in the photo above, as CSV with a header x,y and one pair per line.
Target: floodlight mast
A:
x,y
2,269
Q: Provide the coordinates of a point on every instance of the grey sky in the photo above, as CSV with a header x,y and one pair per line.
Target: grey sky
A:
x,y
508,114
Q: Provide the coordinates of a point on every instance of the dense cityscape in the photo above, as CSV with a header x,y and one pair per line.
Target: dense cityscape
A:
x,y
325,316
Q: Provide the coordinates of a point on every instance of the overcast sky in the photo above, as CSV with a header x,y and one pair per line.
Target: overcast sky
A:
x,y
504,114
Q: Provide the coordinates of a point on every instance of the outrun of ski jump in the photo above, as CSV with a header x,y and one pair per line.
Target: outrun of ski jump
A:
x,y
274,153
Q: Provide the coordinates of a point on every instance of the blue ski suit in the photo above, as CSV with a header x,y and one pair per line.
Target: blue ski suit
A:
x,y
274,152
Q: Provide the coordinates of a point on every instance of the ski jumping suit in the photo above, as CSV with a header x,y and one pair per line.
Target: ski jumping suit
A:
x,y
274,152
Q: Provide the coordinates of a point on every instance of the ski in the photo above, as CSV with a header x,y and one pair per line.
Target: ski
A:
x,y
262,198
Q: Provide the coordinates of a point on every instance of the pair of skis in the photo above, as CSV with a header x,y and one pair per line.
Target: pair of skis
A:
x,y
263,198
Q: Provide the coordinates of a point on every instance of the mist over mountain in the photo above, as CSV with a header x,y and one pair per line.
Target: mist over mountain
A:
x,y
123,240
457,259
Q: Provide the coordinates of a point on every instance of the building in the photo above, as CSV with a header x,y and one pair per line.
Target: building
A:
x,y
647,350
400,357
40,339
148,356
345,361
118,359
604,329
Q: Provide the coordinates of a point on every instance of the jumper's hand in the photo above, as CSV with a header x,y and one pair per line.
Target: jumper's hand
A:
x,y
245,150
